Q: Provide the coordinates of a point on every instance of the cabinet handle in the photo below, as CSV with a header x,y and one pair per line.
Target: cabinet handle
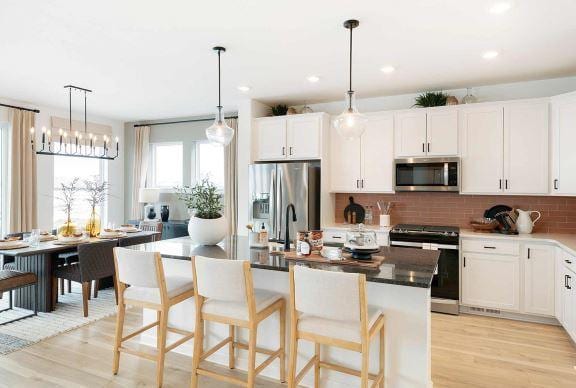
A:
x,y
568,261
568,277
423,147
500,180
428,147
362,183
337,237
528,253
290,150
555,184
489,247
464,261
506,184
357,183
565,281
283,151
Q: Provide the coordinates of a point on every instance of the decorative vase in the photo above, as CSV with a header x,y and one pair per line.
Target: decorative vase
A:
x,y
151,215
93,224
164,213
207,231
68,228
451,100
469,98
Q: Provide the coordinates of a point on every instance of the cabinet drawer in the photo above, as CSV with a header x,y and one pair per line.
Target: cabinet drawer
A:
x,y
568,260
335,236
491,246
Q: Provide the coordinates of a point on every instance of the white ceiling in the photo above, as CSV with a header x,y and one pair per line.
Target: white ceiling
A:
x,y
153,59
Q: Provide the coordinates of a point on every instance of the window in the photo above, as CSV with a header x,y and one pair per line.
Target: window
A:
x,y
210,163
3,180
65,170
165,165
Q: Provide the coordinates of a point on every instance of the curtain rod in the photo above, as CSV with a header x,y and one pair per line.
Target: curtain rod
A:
x,y
179,122
21,108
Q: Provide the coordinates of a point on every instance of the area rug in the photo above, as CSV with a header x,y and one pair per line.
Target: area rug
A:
x,y
67,316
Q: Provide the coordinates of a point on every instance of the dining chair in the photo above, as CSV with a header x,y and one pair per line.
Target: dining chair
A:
x,y
141,282
95,262
330,308
152,226
12,280
9,264
224,293
135,240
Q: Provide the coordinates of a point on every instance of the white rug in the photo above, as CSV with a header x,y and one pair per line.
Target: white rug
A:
x,y
67,316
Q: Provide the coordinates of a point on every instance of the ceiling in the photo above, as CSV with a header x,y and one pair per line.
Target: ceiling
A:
x,y
154,59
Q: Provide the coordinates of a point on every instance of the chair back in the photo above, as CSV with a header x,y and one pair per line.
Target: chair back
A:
x,y
137,268
96,260
220,279
152,226
135,240
327,294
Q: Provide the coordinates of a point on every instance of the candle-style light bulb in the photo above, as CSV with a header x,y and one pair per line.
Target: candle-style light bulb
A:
x,y
60,132
31,130
43,129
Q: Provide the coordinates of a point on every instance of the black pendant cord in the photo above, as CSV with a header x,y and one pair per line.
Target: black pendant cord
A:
x,y
70,109
350,24
219,50
85,120
350,64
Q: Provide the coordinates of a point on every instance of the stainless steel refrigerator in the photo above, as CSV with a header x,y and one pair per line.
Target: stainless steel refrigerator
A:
x,y
274,186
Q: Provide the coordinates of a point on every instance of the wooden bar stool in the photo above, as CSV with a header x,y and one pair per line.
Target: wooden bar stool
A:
x,y
149,288
330,308
225,294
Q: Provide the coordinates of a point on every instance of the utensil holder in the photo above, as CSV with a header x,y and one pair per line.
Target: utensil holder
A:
x,y
384,220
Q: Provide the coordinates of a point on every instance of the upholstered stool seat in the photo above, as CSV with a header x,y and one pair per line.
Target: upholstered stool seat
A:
x,y
175,285
239,310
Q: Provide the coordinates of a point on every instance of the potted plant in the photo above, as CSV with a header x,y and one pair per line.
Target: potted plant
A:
x,y
68,193
96,192
207,225
430,99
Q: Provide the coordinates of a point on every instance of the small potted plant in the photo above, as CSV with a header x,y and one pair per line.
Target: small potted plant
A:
x,y
96,192
68,193
207,225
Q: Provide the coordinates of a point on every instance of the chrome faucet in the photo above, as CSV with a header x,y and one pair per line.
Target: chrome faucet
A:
x,y
287,235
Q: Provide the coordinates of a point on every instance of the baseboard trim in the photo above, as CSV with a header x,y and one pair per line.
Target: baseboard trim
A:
x,y
509,315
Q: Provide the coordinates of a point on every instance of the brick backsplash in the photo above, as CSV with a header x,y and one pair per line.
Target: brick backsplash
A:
x,y
558,213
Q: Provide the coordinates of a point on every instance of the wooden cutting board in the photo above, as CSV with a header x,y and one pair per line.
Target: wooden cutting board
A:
x,y
316,258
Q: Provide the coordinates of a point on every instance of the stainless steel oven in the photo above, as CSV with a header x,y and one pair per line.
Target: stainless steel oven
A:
x,y
427,174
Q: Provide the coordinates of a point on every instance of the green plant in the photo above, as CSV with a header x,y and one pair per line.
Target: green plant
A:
x,y
203,198
429,99
279,110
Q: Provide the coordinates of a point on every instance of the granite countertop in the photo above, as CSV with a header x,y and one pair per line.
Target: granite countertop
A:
x,y
565,241
401,266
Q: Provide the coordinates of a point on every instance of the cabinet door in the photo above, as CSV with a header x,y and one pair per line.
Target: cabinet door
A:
x,y
410,133
491,281
304,134
442,132
539,279
345,174
526,136
378,154
271,138
559,286
563,152
569,297
481,146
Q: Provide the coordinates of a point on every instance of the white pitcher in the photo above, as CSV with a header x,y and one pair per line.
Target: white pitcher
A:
x,y
524,223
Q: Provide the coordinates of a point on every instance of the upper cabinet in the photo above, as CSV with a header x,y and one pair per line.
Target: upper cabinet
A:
x,y
504,148
364,164
563,180
426,132
290,137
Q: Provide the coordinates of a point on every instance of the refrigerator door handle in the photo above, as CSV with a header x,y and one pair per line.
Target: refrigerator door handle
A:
x,y
280,205
274,230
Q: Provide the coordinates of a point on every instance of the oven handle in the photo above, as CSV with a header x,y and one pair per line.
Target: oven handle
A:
x,y
407,244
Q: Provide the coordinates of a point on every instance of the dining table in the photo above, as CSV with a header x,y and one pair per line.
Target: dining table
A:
x,y
43,258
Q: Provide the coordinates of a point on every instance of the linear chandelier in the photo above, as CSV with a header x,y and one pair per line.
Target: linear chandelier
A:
x,y
79,144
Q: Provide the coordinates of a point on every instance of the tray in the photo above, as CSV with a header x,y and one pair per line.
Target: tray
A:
x,y
316,258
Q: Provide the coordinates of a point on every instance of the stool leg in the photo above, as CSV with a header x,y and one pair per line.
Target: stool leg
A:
x,y
85,297
382,356
231,360
283,343
69,286
96,287
162,330
252,356
36,299
61,286
317,365
10,304
198,348
365,366
118,338
293,357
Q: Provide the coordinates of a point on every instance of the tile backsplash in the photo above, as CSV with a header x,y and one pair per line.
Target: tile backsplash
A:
x,y
558,213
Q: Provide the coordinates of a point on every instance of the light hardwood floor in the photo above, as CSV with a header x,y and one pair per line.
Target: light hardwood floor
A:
x,y
467,351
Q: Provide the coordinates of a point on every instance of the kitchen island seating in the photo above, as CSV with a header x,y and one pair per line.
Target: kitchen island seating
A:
x,y
330,308
141,282
225,294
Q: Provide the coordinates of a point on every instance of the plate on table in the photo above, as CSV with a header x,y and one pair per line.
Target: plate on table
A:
x,y
111,234
13,244
129,229
71,240
47,237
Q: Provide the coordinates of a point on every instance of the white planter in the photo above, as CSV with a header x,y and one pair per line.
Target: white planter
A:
x,y
207,232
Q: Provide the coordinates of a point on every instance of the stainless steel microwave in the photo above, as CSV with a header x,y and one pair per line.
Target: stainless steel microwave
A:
x,y
427,174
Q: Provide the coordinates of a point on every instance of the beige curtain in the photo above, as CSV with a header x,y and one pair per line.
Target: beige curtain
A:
x,y
231,179
23,200
141,150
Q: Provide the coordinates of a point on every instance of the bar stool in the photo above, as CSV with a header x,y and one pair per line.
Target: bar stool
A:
x,y
140,281
225,294
330,308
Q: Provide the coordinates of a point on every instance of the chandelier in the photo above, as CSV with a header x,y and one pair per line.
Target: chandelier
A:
x,y
77,144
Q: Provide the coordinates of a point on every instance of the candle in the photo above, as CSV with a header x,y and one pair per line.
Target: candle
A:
x,y
43,135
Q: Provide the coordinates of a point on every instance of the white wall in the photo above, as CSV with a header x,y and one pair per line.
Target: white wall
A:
x,y
45,180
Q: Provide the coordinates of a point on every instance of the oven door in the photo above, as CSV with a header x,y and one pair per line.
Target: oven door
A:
x,y
427,174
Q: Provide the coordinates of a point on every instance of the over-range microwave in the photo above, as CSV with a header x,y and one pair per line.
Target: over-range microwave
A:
x,y
427,174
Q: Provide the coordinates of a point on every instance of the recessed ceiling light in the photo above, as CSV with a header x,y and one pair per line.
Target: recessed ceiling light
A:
x,y
313,78
387,69
500,7
490,54
244,89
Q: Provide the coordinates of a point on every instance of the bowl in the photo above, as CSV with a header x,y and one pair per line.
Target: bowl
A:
x,y
484,224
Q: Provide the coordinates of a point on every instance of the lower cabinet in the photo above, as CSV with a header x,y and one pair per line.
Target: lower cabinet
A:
x,y
491,281
539,279
566,293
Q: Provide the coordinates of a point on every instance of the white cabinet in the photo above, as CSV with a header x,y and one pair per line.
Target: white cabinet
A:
x,y
481,146
290,137
526,133
566,292
491,281
422,132
539,279
364,164
563,111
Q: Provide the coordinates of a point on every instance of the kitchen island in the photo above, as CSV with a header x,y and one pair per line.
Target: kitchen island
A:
x,y
400,288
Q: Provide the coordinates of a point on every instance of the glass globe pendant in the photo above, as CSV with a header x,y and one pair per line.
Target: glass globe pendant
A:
x,y
350,124
219,132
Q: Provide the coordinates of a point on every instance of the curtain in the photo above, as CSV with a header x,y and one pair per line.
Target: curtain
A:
x,y
231,179
141,150
23,200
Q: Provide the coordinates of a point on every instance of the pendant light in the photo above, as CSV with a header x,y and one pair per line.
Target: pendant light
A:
x,y
350,124
219,132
